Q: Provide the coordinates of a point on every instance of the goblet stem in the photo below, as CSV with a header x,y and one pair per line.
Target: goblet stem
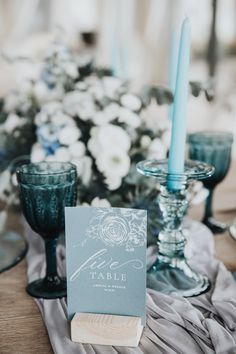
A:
x,y
214,225
51,259
208,206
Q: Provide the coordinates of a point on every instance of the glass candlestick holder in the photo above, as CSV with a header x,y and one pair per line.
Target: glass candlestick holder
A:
x,y
171,268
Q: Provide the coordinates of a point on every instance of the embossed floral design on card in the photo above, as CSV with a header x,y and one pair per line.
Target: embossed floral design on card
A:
x,y
106,260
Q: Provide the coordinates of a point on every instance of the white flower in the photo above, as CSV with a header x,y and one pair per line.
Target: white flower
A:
x,y
113,182
61,119
37,154
41,91
129,117
70,69
80,104
145,141
111,85
81,86
100,203
131,101
69,135
11,102
157,150
51,158
112,110
106,137
84,168
166,138
100,118
12,122
113,162
51,108
77,149
62,154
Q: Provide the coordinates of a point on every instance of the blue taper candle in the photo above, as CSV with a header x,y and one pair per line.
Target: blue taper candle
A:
x,y
179,118
174,51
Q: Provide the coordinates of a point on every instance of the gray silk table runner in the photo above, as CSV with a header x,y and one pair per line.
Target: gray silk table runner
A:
x,y
204,324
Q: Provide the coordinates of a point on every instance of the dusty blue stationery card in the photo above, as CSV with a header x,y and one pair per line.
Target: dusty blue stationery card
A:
x,y
106,260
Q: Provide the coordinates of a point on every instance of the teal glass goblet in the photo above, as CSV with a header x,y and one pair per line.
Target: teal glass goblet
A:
x,y
46,188
213,148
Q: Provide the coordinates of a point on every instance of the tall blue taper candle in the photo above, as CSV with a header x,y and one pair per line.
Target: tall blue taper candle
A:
x,y
174,51
179,118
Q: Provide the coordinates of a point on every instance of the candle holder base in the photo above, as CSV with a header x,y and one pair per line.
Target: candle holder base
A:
x,y
177,277
171,272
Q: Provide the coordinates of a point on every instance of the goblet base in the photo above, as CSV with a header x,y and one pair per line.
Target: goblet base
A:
x,y
44,289
13,249
217,227
177,277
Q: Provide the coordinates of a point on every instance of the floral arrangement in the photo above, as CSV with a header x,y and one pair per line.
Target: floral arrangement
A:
x,y
76,112
79,113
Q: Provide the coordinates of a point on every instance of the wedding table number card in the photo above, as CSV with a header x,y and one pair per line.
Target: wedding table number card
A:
x,y
106,261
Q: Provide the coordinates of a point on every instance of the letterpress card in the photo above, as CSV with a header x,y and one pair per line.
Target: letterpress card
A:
x,y
106,261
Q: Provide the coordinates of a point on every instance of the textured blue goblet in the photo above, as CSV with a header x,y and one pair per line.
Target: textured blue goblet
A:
x,y
213,148
46,188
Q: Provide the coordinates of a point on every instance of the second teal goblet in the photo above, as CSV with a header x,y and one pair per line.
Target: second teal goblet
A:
x,y
46,188
213,148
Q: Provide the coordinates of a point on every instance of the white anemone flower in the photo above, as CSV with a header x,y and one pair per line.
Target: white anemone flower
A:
x,y
113,162
69,135
157,149
129,117
131,102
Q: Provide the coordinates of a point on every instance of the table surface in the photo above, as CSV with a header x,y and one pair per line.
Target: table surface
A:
x,y
21,328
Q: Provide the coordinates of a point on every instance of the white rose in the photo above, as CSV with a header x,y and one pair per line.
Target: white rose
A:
x,y
131,101
94,147
113,162
157,150
100,203
129,117
69,135
77,149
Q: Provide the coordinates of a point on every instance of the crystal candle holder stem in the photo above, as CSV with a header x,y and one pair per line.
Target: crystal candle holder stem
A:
x,y
171,263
